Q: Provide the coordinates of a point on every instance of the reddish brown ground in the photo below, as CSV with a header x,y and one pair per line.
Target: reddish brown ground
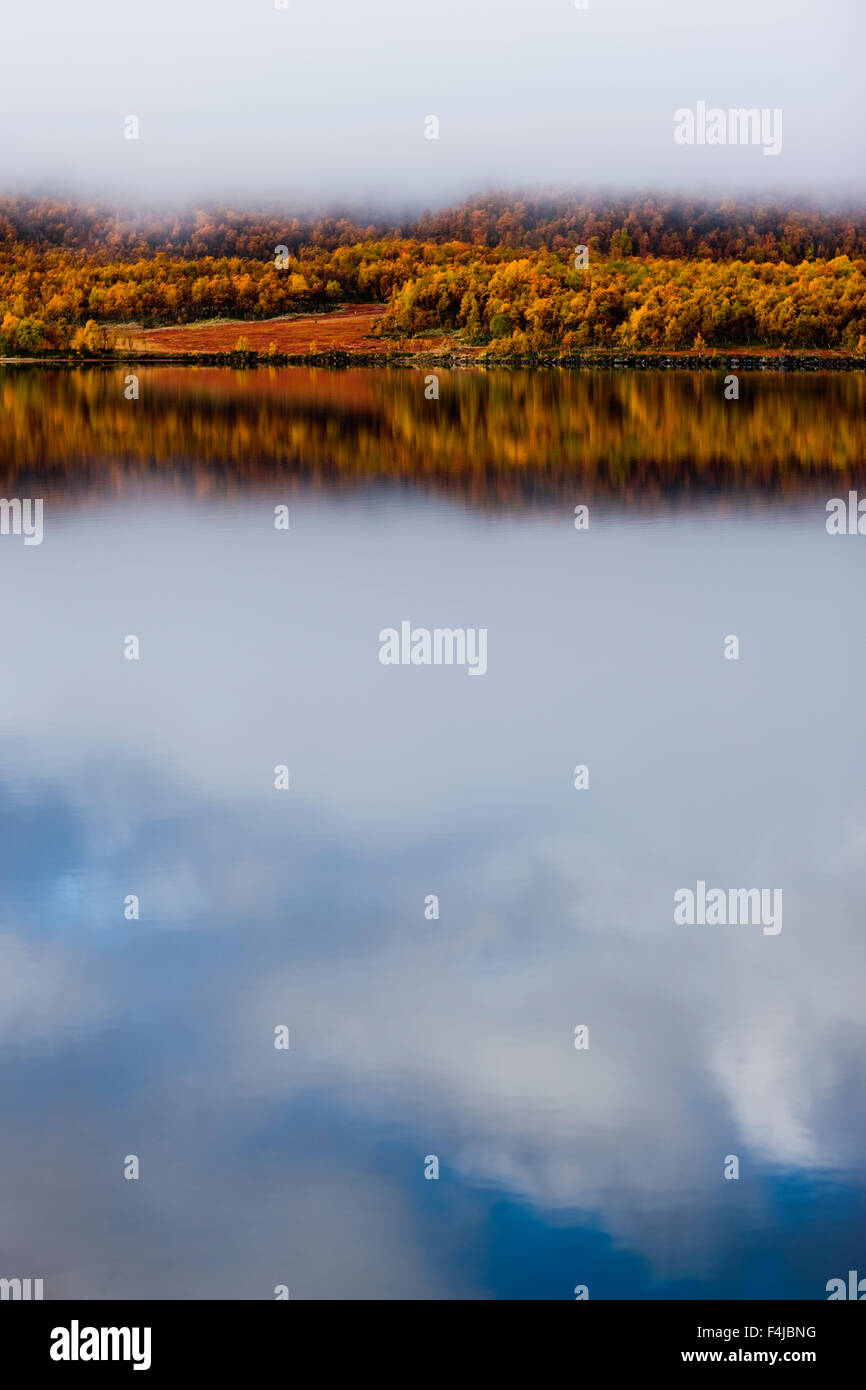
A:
x,y
344,329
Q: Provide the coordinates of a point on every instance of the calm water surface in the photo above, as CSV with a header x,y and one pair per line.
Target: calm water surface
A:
x,y
412,1037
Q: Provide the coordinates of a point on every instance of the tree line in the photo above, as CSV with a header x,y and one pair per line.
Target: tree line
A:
x,y
640,225
66,279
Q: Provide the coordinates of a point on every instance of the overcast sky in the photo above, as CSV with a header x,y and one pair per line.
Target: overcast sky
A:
x,y
326,100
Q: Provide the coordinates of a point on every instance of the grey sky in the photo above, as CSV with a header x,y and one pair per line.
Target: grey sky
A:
x,y
326,99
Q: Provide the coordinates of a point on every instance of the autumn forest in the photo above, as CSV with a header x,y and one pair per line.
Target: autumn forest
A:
x,y
505,276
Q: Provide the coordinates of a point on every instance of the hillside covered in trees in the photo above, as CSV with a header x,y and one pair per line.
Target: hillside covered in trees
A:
x,y
659,273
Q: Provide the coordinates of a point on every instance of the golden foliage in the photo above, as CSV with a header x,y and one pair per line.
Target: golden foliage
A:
x,y
660,275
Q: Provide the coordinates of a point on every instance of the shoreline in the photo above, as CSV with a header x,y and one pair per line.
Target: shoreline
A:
x,y
717,360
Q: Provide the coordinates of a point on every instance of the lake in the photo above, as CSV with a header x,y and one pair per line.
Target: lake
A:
x,y
167,907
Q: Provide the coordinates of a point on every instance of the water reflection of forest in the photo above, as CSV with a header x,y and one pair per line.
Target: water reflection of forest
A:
x,y
492,438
